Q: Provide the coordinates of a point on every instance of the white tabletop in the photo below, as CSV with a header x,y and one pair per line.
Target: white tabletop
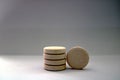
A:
x,y
31,68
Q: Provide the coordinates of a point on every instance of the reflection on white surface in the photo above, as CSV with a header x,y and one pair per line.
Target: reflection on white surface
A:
x,y
6,66
31,68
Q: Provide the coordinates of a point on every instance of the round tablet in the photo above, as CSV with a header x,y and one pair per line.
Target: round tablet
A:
x,y
54,49
56,62
54,68
77,58
61,56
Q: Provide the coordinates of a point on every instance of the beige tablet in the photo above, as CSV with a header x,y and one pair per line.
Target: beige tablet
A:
x,y
57,62
54,50
60,56
77,57
54,68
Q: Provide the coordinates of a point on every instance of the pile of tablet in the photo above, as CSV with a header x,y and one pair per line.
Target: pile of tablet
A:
x,y
55,58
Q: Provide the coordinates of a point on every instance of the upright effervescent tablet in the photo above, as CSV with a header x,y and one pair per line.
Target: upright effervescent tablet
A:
x,y
77,57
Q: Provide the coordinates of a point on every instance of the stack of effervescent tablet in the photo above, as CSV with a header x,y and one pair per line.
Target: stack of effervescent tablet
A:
x,y
55,58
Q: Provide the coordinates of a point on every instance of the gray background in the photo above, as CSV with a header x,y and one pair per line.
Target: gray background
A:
x,y
26,26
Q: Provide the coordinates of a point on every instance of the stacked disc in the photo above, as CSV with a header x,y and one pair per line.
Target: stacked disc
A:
x,y
54,58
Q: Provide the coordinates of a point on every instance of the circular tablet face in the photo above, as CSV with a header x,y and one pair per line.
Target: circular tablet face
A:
x,y
77,58
54,48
